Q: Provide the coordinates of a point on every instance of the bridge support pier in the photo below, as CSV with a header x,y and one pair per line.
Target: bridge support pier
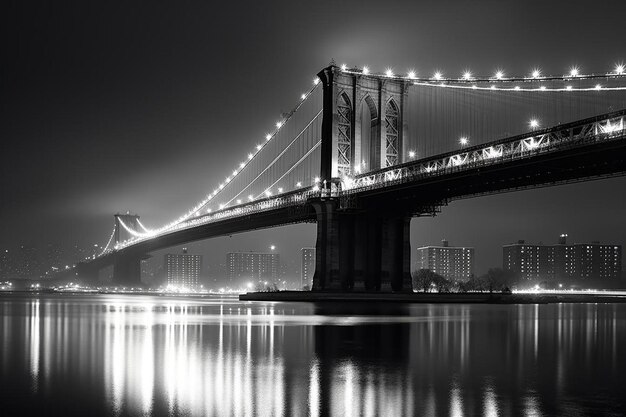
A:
x,y
360,250
127,270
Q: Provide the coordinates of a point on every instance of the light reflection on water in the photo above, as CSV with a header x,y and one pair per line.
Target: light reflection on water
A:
x,y
141,355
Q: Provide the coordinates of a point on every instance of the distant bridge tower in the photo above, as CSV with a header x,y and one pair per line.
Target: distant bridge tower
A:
x,y
131,221
364,122
126,269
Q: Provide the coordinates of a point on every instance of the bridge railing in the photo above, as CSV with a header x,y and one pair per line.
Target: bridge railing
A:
x,y
606,127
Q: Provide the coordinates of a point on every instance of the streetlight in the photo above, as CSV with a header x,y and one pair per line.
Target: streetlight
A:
x,y
272,247
412,154
463,140
533,123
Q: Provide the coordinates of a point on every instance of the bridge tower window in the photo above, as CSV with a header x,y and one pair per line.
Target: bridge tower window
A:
x,y
391,134
344,135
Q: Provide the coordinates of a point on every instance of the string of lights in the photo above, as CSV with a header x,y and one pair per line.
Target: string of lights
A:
x,y
619,71
199,206
106,247
276,159
269,190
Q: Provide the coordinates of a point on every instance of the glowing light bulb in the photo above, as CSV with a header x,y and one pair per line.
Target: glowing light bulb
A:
x,y
517,87
411,154
569,87
303,96
499,74
268,193
620,69
467,75
279,124
250,156
227,180
493,87
234,173
280,190
268,136
365,70
474,87
463,140
536,73
389,72
238,201
316,81
258,147
598,87
317,179
534,123
298,184
250,197
221,186
438,75
242,165
574,72
542,88
344,67
412,74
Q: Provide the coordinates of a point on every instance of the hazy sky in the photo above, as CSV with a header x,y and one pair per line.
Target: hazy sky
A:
x,y
111,106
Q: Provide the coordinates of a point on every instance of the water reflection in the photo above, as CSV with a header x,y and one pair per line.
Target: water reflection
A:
x,y
102,355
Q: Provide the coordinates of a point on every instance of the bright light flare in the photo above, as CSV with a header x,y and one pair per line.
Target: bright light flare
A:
x,y
438,75
344,67
412,154
389,72
412,74
467,75
279,124
268,136
365,71
499,74
463,140
620,69
316,81
303,96
536,73
533,123
574,71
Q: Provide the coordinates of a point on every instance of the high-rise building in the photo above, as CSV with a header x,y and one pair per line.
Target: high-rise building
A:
x,y
251,267
308,268
451,262
183,269
581,261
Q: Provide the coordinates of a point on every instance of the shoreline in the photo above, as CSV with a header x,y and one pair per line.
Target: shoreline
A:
x,y
431,298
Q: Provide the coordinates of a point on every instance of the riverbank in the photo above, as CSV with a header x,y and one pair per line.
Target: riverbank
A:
x,y
438,298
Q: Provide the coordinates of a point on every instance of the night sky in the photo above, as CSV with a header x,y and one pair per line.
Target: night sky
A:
x,y
144,106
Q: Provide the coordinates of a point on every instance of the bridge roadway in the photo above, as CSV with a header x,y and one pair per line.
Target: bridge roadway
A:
x,y
389,197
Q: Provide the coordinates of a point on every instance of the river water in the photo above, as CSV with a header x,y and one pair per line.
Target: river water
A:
x,y
97,355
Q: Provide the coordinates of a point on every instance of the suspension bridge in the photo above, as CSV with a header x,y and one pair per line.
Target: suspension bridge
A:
x,y
362,153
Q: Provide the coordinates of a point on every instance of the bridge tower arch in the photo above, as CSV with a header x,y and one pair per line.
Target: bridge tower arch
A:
x,y
350,137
